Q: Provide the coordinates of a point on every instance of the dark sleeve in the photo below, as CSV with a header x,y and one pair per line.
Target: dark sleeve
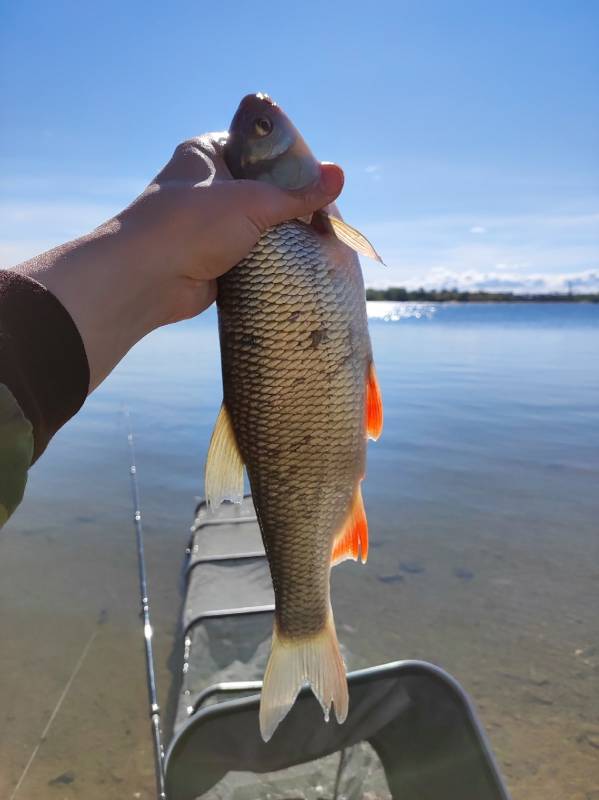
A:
x,y
42,358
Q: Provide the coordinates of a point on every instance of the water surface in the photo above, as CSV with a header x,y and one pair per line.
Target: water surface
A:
x,y
483,502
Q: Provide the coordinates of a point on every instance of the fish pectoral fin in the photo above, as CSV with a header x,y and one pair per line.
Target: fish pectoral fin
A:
x,y
352,540
374,405
353,238
312,659
224,465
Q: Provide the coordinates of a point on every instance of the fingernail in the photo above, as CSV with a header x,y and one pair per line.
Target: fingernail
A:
x,y
331,179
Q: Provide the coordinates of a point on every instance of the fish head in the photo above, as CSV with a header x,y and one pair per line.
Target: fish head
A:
x,y
264,145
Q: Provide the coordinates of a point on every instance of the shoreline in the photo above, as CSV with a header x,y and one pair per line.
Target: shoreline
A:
x,y
398,294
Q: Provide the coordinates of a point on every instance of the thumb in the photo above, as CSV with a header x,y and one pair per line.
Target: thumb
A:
x,y
271,205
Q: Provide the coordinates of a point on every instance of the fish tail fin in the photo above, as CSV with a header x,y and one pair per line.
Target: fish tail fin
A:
x,y
315,660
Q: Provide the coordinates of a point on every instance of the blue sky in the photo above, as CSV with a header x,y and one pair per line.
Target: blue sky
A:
x,y
469,131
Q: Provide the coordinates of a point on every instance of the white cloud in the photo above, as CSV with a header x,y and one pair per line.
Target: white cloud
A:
x,y
497,223
374,171
528,252
29,228
12,253
69,185
54,214
515,265
577,282
38,212
517,250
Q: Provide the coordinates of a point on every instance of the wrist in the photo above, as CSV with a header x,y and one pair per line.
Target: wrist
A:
x,y
101,281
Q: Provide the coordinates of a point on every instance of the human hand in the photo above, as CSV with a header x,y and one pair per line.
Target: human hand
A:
x,y
194,221
158,260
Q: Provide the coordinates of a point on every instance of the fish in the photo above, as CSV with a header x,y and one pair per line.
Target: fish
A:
x,y
300,399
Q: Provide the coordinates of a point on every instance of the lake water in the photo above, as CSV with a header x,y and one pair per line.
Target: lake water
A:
x,y
483,502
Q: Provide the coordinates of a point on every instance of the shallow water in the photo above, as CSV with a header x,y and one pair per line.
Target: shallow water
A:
x,y
484,515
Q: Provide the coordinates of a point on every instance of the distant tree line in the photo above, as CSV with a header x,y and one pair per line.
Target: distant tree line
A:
x,y
453,295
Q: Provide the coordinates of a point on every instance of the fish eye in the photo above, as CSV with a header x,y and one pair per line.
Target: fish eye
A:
x,y
262,126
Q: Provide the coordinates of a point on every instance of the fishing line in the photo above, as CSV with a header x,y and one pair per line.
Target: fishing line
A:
x,y
148,633
57,707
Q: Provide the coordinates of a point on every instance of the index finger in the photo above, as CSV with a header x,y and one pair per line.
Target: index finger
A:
x,y
198,160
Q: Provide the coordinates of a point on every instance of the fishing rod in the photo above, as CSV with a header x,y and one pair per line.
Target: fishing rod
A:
x,y
145,613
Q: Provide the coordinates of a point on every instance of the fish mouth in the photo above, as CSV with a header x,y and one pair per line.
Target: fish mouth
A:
x,y
253,104
253,100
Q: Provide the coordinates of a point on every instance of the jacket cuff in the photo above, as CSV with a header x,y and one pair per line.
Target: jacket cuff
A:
x,y
42,357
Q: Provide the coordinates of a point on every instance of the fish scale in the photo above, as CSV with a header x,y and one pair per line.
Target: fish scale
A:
x,y
295,353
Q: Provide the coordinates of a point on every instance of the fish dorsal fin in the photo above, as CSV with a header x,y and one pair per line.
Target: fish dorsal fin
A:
x,y
374,405
352,540
353,238
224,465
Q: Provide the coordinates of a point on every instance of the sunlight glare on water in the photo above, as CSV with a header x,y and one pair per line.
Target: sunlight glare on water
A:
x,y
396,311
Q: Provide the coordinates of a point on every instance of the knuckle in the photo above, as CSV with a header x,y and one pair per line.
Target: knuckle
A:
x,y
186,148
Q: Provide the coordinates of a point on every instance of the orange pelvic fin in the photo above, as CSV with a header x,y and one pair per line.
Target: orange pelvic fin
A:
x,y
374,405
353,538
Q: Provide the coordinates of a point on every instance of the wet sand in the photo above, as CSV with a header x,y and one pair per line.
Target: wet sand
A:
x,y
484,558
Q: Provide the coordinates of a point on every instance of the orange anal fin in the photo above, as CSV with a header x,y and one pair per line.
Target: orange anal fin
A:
x,y
374,405
352,540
